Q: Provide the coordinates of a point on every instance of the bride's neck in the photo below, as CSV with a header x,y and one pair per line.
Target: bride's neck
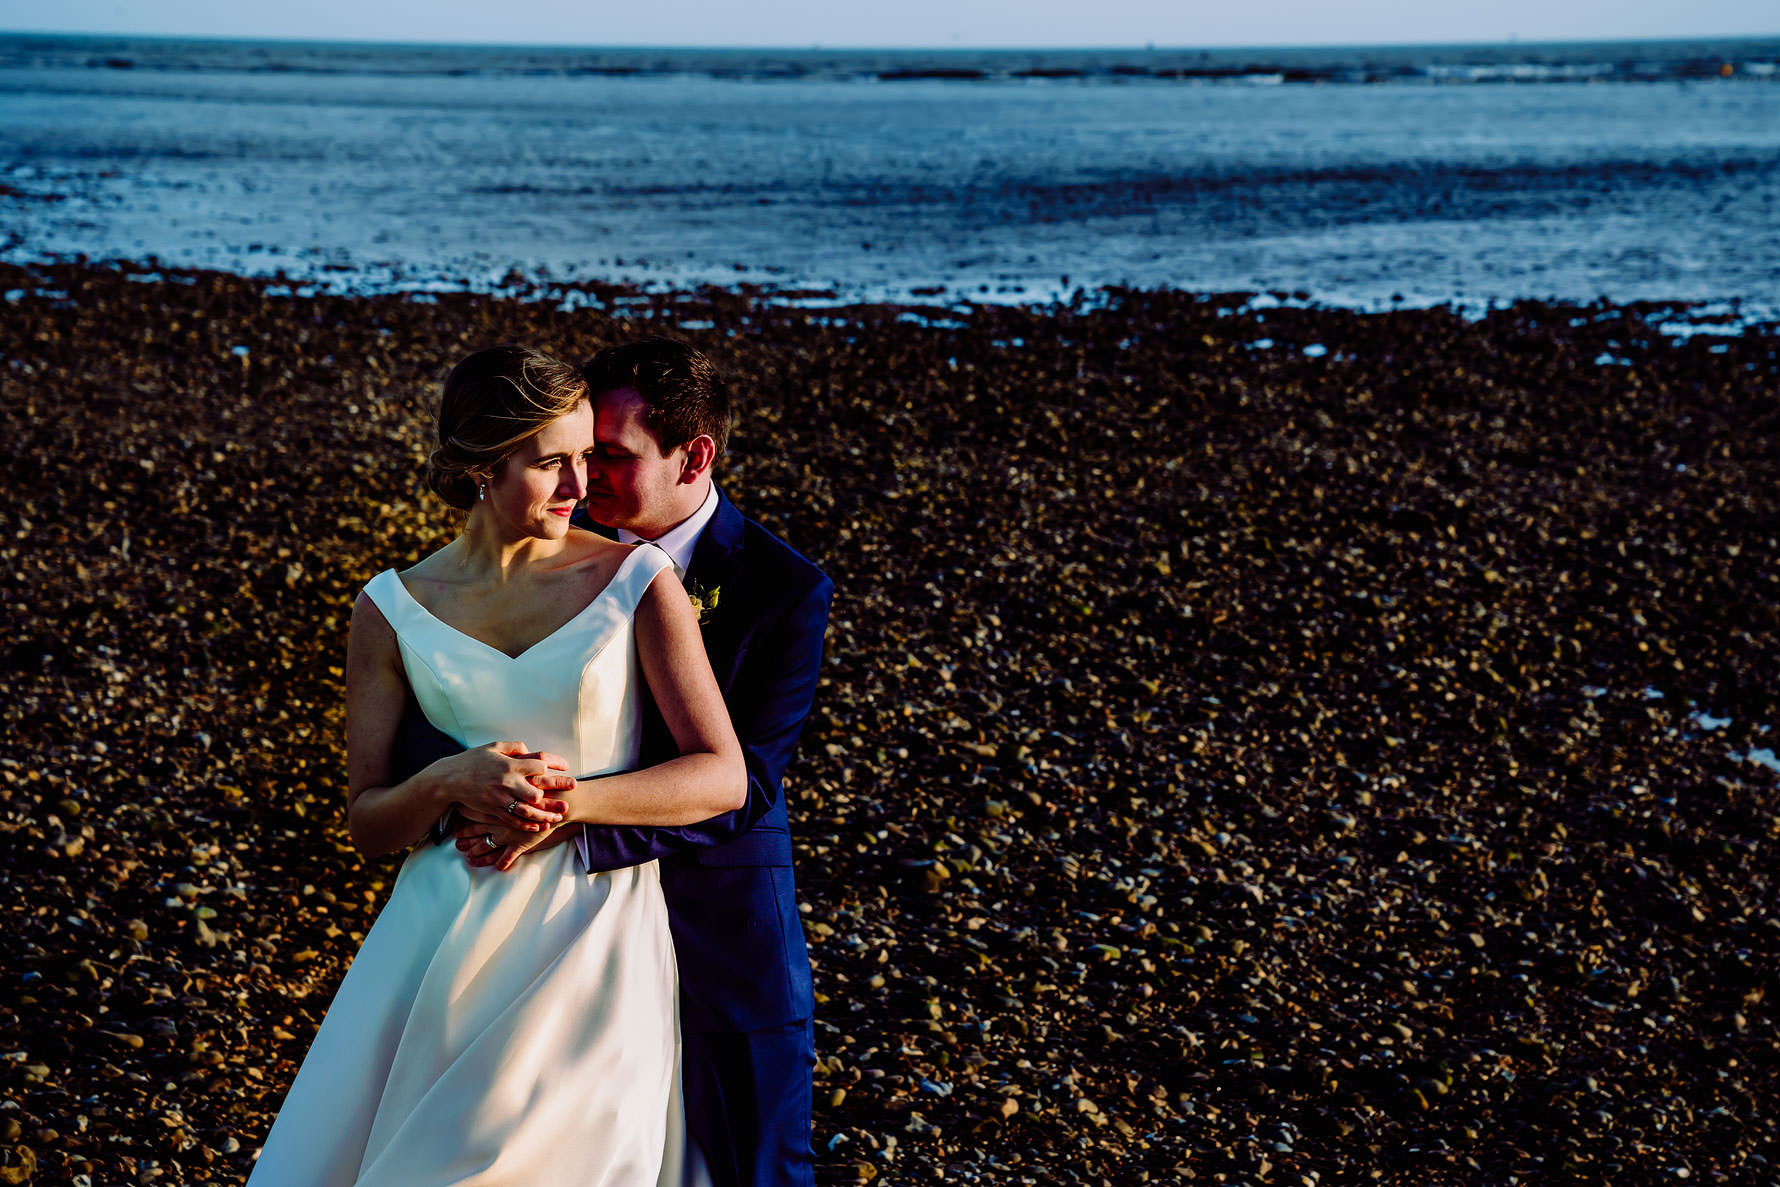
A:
x,y
493,553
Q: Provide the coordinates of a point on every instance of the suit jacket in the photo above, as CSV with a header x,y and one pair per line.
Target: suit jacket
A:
x,y
732,902
727,880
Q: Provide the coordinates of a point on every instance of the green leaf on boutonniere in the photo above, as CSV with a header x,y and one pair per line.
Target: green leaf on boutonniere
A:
x,y
704,601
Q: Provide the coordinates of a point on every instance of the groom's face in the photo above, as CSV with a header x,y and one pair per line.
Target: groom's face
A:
x,y
631,481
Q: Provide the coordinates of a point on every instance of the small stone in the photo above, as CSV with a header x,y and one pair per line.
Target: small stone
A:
x,y
23,1169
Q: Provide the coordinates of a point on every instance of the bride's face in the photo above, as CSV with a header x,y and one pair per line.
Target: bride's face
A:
x,y
540,484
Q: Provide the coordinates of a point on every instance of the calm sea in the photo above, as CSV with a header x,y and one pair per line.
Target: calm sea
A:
x,y
1353,176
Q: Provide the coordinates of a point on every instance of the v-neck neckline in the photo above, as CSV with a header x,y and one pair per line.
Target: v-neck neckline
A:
x,y
573,619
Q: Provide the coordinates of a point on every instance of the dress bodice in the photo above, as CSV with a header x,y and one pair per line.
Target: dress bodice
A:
x,y
502,1027
574,692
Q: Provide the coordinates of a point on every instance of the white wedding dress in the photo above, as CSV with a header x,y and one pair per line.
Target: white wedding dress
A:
x,y
517,1028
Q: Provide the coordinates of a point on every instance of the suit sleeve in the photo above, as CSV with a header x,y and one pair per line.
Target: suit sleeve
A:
x,y
417,746
768,701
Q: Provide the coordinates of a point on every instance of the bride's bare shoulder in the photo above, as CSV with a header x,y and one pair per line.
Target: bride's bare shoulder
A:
x,y
587,541
596,556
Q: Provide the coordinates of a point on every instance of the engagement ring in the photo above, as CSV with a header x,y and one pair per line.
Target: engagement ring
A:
x,y
512,808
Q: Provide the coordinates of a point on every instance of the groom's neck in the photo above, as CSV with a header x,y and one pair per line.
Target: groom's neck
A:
x,y
682,508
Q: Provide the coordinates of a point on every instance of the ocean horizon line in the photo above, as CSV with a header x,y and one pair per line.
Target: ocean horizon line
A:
x,y
958,48
1702,58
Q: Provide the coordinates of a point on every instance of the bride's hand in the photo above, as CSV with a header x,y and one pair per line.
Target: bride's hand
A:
x,y
504,783
501,845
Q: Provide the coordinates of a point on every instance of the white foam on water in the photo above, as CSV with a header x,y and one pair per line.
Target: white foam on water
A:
x,y
1759,755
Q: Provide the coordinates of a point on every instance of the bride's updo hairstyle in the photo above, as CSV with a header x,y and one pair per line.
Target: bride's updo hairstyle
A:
x,y
494,400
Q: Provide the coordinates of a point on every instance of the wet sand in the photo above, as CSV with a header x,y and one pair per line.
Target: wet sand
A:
x,y
1235,763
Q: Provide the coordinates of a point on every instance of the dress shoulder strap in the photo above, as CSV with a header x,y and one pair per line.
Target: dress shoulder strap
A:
x,y
635,575
391,598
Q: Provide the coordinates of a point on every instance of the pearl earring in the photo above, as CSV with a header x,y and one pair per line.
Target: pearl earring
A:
x,y
482,492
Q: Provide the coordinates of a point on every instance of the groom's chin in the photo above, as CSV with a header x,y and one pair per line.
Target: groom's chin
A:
x,y
600,514
588,522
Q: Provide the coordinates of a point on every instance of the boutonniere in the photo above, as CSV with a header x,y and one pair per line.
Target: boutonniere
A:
x,y
704,601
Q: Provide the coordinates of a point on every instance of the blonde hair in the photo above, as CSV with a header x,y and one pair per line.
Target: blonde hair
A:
x,y
494,400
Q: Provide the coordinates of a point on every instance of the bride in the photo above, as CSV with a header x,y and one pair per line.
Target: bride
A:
x,y
513,1023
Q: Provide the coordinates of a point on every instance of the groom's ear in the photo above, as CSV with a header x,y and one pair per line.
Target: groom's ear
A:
x,y
701,455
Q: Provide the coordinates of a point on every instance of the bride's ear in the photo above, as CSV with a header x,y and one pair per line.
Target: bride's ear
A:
x,y
701,454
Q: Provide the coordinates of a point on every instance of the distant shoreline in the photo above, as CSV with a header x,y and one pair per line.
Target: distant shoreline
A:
x,y
1676,319
1641,60
1512,45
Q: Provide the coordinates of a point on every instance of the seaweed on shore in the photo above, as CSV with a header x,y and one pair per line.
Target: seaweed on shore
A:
x,y
1255,745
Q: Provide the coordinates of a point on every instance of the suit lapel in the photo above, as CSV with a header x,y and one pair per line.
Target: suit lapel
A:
x,y
716,566
717,546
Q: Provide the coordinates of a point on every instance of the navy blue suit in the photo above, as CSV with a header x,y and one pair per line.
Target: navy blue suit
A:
x,y
745,994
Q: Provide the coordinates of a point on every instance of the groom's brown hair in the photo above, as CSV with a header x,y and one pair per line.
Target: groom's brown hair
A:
x,y
686,394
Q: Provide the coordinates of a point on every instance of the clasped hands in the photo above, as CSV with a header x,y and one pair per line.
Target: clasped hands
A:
x,y
499,797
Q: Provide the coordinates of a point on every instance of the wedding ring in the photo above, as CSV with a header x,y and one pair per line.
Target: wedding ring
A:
x,y
489,837
512,808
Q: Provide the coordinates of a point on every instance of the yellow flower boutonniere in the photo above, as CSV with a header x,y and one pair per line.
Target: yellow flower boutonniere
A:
x,y
704,601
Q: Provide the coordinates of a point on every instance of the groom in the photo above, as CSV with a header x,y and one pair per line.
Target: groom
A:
x,y
661,419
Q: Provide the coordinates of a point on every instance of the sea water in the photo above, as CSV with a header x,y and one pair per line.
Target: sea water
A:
x,y
1350,176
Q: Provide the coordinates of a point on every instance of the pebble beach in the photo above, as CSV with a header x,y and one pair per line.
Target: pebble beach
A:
x,y
1262,745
